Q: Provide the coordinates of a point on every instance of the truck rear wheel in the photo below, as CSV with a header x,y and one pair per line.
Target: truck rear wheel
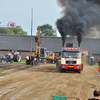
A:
x,y
81,66
58,66
61,70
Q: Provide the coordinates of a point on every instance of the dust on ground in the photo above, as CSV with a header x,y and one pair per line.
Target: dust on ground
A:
x,y
39,82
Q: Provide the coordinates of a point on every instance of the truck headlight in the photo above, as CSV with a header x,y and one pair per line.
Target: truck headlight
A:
x,y
78,67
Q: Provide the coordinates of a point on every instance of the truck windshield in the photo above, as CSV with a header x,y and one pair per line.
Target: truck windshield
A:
x,y
71,54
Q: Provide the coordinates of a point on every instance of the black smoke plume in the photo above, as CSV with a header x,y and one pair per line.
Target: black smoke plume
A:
x,y
78,17
79,34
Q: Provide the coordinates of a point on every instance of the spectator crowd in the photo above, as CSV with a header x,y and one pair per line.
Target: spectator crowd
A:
x,y
7,58
29,60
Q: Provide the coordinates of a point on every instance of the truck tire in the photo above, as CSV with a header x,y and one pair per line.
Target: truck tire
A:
x,y
58,66
61,70
81,66
17,58
79,71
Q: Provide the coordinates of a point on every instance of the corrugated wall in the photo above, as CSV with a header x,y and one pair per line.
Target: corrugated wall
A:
x,y
22,43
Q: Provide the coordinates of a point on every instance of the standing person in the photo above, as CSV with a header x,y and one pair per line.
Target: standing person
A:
x,y
1,57
7,58
11,60
99,66
27,60
96,95
92,60
32,59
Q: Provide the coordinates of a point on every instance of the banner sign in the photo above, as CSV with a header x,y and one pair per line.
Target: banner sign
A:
x,y
7,24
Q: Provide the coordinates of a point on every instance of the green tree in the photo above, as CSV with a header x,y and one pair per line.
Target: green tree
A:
x,y
47,30
18,31
6,31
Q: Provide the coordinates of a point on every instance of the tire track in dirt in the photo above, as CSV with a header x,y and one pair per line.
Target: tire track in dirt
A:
x,y
40,83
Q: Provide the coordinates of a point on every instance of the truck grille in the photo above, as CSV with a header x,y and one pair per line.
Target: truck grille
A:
x,y
70,62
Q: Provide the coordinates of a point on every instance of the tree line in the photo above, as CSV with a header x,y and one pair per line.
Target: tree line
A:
x,y
45,30
17,31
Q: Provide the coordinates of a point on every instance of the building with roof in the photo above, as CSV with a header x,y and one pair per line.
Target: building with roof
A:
x,y
23,43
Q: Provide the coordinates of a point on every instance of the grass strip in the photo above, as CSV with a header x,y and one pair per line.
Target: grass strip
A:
x,y
11,69
22,62
5,71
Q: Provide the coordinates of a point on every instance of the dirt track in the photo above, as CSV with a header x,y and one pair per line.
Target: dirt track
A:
x,y
42,81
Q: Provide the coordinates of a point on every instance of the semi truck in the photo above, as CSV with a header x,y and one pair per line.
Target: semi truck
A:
x,y
71,60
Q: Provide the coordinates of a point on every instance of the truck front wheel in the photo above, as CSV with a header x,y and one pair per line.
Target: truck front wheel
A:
x,y
61,70
81,66
79,71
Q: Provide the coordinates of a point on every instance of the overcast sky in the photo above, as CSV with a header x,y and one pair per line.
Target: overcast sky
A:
x,y
19,11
